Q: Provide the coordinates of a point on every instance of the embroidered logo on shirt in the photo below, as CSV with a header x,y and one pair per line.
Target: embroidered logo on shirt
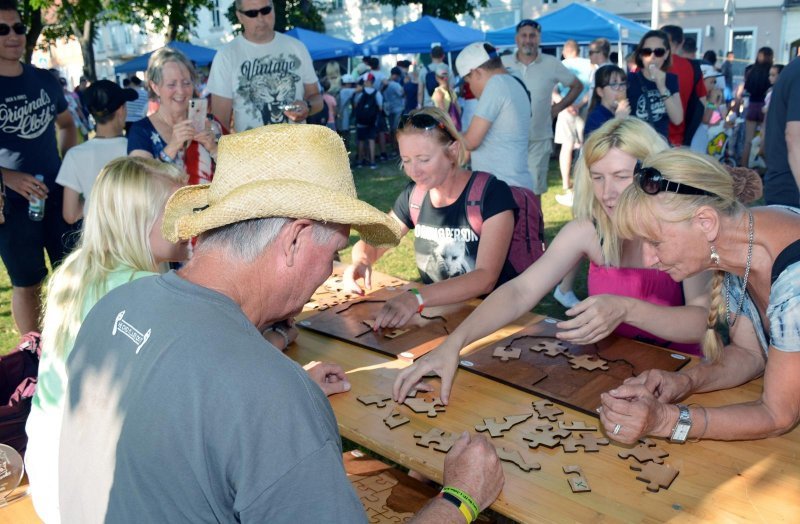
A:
x,y
124,327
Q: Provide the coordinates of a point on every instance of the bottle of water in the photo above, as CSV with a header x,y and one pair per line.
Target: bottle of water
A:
x,y
36,206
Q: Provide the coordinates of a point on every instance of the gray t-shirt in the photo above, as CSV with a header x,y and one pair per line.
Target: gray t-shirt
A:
x,y
179,411
504,150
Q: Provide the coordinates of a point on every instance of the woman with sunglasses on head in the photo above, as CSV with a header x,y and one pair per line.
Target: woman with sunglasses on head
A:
x,y
609,99
683,205
652,92
626,295
445,98
454,262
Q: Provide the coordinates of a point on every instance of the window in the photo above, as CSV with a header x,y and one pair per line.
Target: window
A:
x,y
215,19
743,44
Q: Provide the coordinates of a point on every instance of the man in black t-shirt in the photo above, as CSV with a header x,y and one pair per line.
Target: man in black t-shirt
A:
x,y
782,179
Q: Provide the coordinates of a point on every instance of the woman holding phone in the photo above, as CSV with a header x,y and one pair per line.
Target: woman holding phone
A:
x,y
169,134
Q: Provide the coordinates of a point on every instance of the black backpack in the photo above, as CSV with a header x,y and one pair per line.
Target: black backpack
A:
x,y
430,82
366,110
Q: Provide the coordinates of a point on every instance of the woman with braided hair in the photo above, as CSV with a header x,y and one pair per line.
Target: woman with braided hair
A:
x,y
686,209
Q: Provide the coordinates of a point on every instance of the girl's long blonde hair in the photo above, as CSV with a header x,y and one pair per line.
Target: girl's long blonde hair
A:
x,y
637,215
630,135
125,201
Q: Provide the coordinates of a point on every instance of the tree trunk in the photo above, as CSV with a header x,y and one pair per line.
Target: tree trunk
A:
x,y
35,27
87,50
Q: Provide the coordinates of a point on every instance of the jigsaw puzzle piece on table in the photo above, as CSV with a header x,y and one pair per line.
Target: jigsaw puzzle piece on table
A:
x,y
549,346
422,405
444,441
379,400
656,475
576,425
545,436
645,451
588,362
513,456
577,484
547,409
496,428
506,353
395,419
588,443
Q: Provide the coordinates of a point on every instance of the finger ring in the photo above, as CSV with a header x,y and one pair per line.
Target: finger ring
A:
x,y
616,429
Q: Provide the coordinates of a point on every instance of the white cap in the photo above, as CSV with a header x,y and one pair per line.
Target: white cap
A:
x,y
348,79
709,71
473,56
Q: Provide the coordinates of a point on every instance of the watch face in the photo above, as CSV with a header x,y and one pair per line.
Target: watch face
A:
x,y
681,432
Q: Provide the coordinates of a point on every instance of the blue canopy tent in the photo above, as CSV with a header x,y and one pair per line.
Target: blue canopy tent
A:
x,y
202,56
322,46
420,35
579,22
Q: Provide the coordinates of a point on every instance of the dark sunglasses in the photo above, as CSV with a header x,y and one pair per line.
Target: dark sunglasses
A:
x,y
252,13
593,51
423,122
653,182
658,51
19,28
529,23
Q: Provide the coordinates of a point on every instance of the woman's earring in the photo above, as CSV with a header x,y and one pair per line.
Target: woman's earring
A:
x,y
714,256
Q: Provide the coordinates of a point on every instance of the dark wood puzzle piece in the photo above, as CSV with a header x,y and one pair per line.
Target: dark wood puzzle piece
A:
x,y
379,400
496,428
656,475
577,484
547,409
513,456
506,353
545,436
395,419
589,443
444,441
423,405
645,451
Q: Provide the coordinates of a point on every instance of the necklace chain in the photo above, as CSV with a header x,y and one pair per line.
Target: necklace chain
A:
x,y
750,237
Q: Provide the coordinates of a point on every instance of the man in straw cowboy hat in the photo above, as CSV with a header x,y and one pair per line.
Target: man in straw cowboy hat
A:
x,y
179,410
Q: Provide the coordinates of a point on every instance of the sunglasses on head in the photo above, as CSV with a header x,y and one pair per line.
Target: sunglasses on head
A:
x,y
653,182
529,23
252,13
423,122
658,51
19,28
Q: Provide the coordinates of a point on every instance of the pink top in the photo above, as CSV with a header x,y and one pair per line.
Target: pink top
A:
x,y
651,285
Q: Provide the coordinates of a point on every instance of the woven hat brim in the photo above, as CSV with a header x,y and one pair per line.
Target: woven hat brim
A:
x,y
188,212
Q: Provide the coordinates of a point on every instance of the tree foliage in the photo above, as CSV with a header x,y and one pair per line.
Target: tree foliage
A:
x,y
288,14
175,17
444,9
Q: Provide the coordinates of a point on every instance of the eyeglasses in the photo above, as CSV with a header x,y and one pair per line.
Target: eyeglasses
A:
x,y
529,23
594,51
658,51
19,28
253,13
423,122
617,86
653,182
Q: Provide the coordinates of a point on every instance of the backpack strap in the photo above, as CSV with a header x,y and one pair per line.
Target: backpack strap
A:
x,y
474,203
787,257
415,203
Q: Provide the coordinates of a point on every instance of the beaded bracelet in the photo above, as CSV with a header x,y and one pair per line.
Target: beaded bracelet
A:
x,y
282,332
420,301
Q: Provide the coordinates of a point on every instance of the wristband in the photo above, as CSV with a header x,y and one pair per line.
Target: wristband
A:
x,y
457,503
164,157
415,292
710,105
282,332
463,497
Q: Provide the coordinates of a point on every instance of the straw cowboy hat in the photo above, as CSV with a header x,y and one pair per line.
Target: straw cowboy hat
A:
x,y
281,170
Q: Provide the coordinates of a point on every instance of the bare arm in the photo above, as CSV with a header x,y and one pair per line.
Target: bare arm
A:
x,y
575,89
67,132
73,207
793,148
222,109
362,258
474,136
141,153
313,97
674,108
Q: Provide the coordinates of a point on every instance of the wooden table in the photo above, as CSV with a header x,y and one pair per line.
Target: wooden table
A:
x,y
718,481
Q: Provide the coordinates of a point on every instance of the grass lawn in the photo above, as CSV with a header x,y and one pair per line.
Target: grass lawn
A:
x,y
380,187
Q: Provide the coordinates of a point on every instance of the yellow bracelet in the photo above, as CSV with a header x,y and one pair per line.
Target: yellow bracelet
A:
x,y
465,498
462,507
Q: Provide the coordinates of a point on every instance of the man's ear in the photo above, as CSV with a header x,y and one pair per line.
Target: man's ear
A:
x,y
294,236
707,219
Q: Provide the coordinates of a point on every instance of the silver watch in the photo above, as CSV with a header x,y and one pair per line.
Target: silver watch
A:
x,y
682,427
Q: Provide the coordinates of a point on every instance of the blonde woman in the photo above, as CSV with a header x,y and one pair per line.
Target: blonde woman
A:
x,y
121,241
444,97
683,205
626,295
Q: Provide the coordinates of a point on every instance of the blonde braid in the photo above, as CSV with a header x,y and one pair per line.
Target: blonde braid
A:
x,y
712,343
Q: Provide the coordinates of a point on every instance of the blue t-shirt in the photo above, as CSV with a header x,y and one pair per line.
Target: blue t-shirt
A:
x,y
29,105
646,103
599,116
143,135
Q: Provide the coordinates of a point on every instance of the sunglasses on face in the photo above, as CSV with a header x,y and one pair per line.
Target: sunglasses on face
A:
x,y
593,51
658,51
653,182
253,13
19,28
423,122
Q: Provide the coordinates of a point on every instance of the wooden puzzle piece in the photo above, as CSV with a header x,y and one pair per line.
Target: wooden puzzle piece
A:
x,y
496,428
577,484
506,353
396,333
550,347
645,451
576,425
379,400
547,409
545,436
513,456
422,405
587,362
588,443
444,441
395,419
656,475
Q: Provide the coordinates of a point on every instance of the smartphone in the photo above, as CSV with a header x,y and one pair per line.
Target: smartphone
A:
x,y
198,108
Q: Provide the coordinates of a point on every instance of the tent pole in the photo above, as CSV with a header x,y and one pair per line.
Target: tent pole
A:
x,y
620,58
450,59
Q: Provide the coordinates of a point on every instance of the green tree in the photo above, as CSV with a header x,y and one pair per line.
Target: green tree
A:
x,y
175,17
444,9
288,14
31,14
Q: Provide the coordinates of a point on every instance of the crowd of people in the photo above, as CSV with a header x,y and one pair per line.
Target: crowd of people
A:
x,y
249,203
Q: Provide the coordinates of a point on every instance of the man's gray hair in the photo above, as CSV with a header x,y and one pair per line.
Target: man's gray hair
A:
x,y
248,239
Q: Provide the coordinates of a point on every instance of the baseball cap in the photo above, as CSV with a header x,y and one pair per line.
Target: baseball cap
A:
x,y
104,97
709,71
474,56
442,70
348,79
